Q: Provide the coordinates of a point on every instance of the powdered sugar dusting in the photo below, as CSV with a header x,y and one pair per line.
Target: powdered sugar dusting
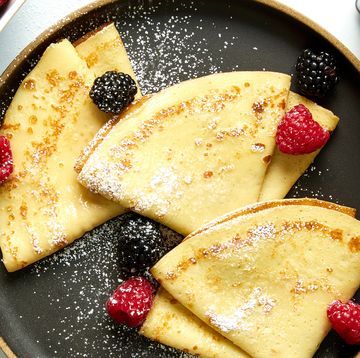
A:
x,y
239,319
302,187
224,323
170,51
261,232
86,273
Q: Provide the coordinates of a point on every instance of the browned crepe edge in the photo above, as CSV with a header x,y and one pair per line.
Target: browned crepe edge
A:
x,y
254,208
6,349
104,131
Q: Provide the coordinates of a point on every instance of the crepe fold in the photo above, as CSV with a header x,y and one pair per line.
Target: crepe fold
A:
x,y
192,152
263,276
49,121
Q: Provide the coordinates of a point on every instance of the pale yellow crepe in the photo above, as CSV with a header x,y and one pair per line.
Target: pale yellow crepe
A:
x,y
264,279
193,151
284,169
50,120
172,324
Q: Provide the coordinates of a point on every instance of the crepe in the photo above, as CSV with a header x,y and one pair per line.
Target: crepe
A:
x,y
263,278
285,169
192,152
51,118
170,323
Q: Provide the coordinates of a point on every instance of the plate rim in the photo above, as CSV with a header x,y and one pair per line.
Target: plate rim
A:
x,y
274,4
96,4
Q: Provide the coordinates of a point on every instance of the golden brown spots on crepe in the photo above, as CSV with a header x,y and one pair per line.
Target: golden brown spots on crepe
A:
x,y
267,159
337,235
287,228
208,174
354,244
258,107
173,301
282,104
29,84
23,210
73,75
92,59
12,127
53,78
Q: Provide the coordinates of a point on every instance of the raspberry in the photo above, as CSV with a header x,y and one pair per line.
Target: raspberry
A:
x,y
298,133
316,73
3,2
345,320
131,302
6,159
113,91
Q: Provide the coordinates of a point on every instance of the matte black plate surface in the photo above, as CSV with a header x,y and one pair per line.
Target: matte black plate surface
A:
x,y
56,307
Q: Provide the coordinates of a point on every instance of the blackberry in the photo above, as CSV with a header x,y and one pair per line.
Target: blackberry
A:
x,y
113,91
142,242
316,73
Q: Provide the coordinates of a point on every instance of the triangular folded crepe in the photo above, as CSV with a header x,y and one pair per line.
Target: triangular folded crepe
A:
x,y
170,323
284,169
193,151
264,279
50,120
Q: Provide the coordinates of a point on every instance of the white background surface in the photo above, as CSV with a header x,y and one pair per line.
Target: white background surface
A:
x,y
339,17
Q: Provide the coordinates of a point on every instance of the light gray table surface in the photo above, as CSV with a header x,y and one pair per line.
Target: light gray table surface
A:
x,y
340,18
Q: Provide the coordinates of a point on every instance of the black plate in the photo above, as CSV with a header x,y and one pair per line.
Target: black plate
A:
x,y
55,308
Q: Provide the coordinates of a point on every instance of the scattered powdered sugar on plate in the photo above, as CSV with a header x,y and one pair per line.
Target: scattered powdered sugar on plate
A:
x,y
86,273
167,52
302,187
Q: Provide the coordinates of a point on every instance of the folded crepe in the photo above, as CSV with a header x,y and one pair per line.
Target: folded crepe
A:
x,y
203,144
263,276
285,169
51,118
170,323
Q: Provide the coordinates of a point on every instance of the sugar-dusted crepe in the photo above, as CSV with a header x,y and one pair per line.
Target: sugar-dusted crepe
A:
x,y
172,324
50,120
264,280
192,152
284,169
